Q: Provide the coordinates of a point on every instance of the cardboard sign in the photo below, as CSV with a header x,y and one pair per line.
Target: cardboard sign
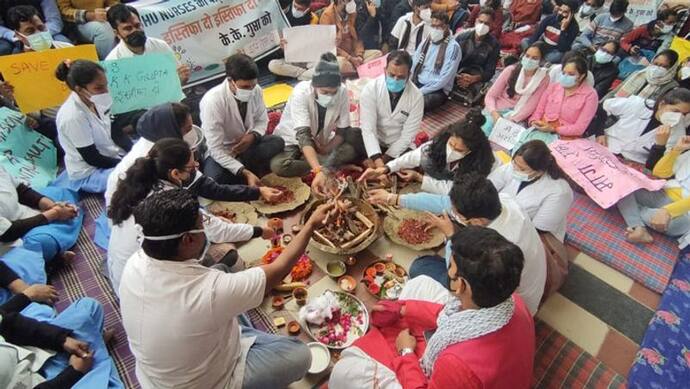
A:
x,y
143,81
25,154
33,75
506,133
602,176
305,44
373,69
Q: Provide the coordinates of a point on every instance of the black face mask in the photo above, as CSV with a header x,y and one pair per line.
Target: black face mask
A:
x,y
136,39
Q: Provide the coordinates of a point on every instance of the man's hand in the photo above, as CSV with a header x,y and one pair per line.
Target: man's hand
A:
x,y
371,7
662,135
97,15
82,365
660,220
566,22
320,216
443,223
405,340
318,185
356,60
269,194
409,175
372,174
41,293
183,71
245,142
683,144
267,233
380,196
76,347
601,139
252,179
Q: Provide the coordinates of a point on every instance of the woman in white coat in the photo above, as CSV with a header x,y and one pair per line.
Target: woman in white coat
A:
x,y
538,185
633,135
170,164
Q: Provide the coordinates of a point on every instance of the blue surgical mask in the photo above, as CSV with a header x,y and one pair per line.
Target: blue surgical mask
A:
x,y
395,85
602,57
567,81
655,71
529,63
520,176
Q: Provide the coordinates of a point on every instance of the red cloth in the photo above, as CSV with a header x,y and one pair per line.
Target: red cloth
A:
x,y
503,359
496,25
525,11
639,32
421,138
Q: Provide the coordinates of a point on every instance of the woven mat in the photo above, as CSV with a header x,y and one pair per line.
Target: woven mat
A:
x,y
599,234
442,117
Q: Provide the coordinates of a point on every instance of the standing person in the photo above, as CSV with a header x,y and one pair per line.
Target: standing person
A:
x,y
435,63
483,335
84,127
127,26
234,120
606,27
171,303
314,122
413,28
603,67
49,12
351,51
297,13
90,18
557,31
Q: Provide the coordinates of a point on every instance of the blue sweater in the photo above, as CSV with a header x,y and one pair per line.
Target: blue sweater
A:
x,y
431,80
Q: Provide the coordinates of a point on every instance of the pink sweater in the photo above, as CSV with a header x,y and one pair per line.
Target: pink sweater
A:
x,y
573,112
497,98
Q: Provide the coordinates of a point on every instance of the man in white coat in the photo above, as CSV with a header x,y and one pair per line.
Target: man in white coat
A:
x,y
234,120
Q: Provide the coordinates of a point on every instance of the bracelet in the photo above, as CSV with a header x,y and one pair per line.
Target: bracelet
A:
x,y
406,351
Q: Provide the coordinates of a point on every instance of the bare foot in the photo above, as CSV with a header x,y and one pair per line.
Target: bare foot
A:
x,y
109,336
638,235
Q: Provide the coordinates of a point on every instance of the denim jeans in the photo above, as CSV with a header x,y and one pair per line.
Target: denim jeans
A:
x,y
274,361
638,208
100,34
433,266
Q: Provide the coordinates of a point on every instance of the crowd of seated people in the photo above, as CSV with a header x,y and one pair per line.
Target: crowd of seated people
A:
x,y
562,69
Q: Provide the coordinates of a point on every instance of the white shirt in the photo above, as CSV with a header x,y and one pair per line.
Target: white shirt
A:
x,y
301,111
400,27
223,126
546,201
140,149
180,319
10,208
79,127
152,45
395,128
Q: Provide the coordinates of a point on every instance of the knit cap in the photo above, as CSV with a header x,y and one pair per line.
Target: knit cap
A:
x,y
327,72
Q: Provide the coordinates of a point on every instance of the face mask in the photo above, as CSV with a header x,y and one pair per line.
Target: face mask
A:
x,y
243,95
394,85
482,3
520,176
186,183
670,119
685,72
436,35
453,155
615,19
665,29
602,57
201,256
481,29
298,14
351,7
324,100
190,138
377,3
102,101
586,10
529,63
136,39
654,71
40,41
567,81
425,15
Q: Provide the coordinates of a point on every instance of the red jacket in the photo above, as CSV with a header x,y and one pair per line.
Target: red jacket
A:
x,y
639,36
503,359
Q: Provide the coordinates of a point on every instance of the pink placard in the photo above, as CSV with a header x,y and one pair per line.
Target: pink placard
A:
x,y
372,69
602,176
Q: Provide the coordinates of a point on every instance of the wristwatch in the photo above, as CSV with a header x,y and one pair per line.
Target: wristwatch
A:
x,y
406,351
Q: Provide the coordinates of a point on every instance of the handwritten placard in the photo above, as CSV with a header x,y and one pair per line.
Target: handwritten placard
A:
x,y
642,11
506,133
602,176
373,69
33,75
24,153
143,81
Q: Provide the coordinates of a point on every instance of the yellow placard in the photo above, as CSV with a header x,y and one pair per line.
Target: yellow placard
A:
x,y
276,94
682,47
502,156
33,75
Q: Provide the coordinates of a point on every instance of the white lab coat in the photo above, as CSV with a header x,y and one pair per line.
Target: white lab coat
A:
x,y
546,201
394,129
625,136
10,208
301,111
140,149
223,126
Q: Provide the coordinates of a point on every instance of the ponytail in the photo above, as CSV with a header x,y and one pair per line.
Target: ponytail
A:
x,y
538,157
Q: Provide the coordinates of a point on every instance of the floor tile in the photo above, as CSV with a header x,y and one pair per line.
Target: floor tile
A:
x,y
618,352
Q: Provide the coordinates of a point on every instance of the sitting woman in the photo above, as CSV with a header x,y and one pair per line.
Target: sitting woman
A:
x,y
603,67
566,108
483,333
515,94
538,185
460,149
639,120
666,211
683,77
651,82
47,223
84,130
170,164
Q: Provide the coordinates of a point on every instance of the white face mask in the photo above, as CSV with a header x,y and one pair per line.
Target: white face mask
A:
x,y
190,138
520,176
298,14
351,7
425,15
436,35
666,28
615,19
482,3
586,10
481,29
143,237
670,119
453,155
243,95
685,72
102,101
324,100
654,71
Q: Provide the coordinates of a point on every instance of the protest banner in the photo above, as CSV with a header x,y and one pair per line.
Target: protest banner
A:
x,y
641,11
373,69
26,155
202,33
142,81
601,175
506,133
33,75
305,44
